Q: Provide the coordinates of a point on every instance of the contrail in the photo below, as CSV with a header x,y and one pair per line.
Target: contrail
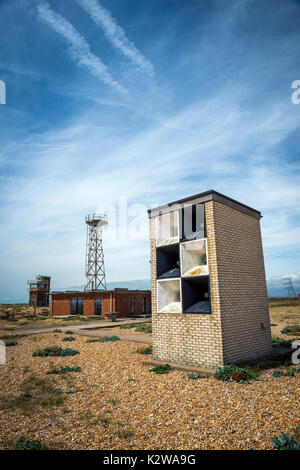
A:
x,y
80,50
115,34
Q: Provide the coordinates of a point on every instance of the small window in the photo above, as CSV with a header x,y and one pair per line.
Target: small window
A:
x,y
132,305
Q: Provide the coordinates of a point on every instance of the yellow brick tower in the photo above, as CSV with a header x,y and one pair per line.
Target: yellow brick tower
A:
x,y
209,295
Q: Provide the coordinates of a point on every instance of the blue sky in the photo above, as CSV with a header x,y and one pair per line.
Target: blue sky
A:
x,y
150,101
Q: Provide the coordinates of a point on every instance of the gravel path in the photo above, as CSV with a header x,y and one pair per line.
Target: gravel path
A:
x,y
119,404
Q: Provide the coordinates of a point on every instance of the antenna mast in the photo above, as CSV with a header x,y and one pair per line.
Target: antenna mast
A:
x,y
94,265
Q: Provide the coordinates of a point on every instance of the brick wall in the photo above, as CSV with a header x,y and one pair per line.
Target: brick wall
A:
x,y
238,326
242,284
61,306
114,301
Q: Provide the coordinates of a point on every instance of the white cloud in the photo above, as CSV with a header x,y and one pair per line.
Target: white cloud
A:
x,y
80,50
115,34
213,144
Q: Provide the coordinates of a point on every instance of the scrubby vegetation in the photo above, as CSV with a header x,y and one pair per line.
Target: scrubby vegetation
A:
x,y
144,350
143,328
194,376
281,342
69,338
103,340
55,351
36,392
64,370
287,441
161,369
236,373
291,330
30,444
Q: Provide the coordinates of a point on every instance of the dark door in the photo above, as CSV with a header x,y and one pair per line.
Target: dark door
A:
x,y
144,305
132,306
76,306
98,306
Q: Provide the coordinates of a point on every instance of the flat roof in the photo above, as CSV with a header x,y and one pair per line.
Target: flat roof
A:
x,y
99,292
204,197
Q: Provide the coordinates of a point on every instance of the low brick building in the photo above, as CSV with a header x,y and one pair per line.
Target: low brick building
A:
x,y
209,296
88,303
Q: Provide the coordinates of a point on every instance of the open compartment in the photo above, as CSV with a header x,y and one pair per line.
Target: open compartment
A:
x,y
167,228
168,296
167,261
195,295
194,258
192,222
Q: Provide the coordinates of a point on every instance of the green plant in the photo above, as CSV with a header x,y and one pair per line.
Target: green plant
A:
x,y
30,444
64,370
9,329
10,337
144,350
197,376
143,328
126,327
69,338
68,332
53,351
281,342
277,373
124,433
291,330
287,441
24,396
103,340
11,343
57,331
235,373
161,369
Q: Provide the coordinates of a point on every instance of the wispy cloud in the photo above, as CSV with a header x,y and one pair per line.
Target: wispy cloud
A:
x,y
80,50
115,34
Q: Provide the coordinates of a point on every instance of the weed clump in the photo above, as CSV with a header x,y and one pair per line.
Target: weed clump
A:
x,y
69,338
64,370
68,332
143,328
144,350
197,376
126,327
11,343
287,441
53,351
57,330
30,444
291,330
161,369
236,374
10,337
103,340
283,343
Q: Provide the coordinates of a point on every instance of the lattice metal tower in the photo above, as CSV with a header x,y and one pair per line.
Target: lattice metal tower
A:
x,y
291,293
94,265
